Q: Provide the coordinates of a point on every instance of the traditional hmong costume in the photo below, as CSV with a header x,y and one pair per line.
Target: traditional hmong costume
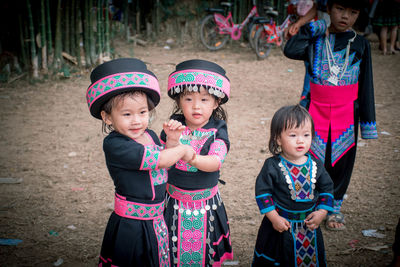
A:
x,y
341,94
294,191
136,233
195,214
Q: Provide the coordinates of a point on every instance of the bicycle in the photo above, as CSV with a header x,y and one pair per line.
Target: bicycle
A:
x,y
215,29
270,34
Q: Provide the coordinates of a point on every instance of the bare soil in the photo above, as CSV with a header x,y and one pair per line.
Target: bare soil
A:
x,y
61,207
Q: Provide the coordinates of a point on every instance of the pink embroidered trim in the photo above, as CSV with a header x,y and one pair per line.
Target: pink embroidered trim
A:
x,y
226,256
118,81
199,77
138,211
192,195
151,158
161,231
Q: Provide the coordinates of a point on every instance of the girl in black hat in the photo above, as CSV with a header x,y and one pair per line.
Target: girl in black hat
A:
x,y
122,94
195,215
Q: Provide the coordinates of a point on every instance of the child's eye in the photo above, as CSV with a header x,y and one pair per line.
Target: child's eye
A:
x,y
143,112
204,99
307,135
292,135
126,114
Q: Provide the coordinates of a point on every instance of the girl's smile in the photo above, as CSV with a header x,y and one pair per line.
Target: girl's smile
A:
x,y
130,117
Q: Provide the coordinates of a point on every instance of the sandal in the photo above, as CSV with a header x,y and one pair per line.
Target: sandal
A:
x,y
337,218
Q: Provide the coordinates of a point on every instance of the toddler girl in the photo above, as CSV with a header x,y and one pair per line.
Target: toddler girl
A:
x,y
294,191
195,214
122,94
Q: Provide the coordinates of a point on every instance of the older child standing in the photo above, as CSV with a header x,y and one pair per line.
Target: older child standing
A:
x,y
123,93
294,191
341,92
195,214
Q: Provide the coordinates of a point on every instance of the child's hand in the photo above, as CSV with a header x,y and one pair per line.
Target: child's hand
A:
x,y
173,130
293,29
190,154
315,218
279,223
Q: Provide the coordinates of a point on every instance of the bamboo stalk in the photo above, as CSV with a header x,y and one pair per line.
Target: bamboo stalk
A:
x,y
72,29
22,42
78,16
67,11
43,35
99,31
34,59
92,41
86,36
49,38
107,32
58,44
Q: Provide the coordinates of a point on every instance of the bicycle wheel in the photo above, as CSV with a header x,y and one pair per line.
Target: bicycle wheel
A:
x,y
262,47
252,34
209,34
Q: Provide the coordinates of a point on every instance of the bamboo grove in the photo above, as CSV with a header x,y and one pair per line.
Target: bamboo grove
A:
x,y
44,38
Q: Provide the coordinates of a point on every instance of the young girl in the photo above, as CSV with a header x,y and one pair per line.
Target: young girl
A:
x,y
195,215
294,191
123,93
341,92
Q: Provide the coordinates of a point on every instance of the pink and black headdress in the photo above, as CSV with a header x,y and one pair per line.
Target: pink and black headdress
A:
x,y
118,76
191,74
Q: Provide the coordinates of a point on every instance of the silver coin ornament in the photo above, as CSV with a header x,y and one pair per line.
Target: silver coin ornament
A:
x,y
214,207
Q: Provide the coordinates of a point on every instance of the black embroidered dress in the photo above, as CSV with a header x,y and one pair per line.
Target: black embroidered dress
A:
x,y
195,214
294,191
136,233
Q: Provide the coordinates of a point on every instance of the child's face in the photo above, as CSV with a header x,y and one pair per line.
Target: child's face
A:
x,y
197,107
295,142
130,116
342,18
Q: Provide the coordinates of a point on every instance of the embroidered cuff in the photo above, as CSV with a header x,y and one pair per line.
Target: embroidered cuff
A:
x,y
265,203
151,157
219,149
318,27
325,202
368,130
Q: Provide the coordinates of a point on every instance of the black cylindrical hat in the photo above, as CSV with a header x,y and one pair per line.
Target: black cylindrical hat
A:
x,y
191,74
119,76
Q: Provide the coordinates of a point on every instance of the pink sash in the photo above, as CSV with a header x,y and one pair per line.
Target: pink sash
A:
x,y
332,107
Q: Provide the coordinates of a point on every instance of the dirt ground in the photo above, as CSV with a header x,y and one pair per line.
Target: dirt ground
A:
x,y
61,206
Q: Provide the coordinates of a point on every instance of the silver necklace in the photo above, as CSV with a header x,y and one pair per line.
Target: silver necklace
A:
x,y
335,72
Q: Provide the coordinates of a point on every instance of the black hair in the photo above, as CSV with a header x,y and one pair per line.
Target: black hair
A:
x,y
287,117
219,113
354,4
113,101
